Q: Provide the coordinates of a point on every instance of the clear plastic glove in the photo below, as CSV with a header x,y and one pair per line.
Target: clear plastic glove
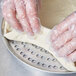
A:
x,y
22,15
63,38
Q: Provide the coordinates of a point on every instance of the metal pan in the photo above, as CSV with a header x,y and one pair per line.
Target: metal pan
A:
x,y
34,58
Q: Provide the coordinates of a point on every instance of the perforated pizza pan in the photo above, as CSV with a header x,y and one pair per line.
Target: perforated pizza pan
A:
x,y
34,58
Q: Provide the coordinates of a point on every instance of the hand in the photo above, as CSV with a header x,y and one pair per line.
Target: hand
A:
x,y
22,15
63,38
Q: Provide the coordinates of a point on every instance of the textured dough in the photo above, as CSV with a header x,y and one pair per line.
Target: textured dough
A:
x,y
40,40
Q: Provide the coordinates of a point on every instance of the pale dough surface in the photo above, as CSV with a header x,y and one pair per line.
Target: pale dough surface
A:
x,y
40,40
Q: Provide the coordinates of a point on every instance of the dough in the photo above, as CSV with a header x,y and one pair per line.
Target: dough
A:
x,y
40,40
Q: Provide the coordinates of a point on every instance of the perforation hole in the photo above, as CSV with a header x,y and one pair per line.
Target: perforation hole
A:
x,y
55,67
29,59
38,55
24,55
15,45
54,60
44,65
21,52
61,67
17,49
48,59
50,66
38,63
33,53
34,61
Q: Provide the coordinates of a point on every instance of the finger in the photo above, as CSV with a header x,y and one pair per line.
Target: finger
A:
x,y
32,14
68,48
39,4
72,28
62,39
10,15
21,13
63,26
72,56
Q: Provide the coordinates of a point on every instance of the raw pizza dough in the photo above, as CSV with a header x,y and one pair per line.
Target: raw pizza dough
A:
x,y
40,40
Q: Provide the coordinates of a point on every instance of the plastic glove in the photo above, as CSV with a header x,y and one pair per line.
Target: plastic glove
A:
x,y
63,38
22,15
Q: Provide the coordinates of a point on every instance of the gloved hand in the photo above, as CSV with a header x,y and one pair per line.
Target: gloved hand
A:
x,y
63,38
22,15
